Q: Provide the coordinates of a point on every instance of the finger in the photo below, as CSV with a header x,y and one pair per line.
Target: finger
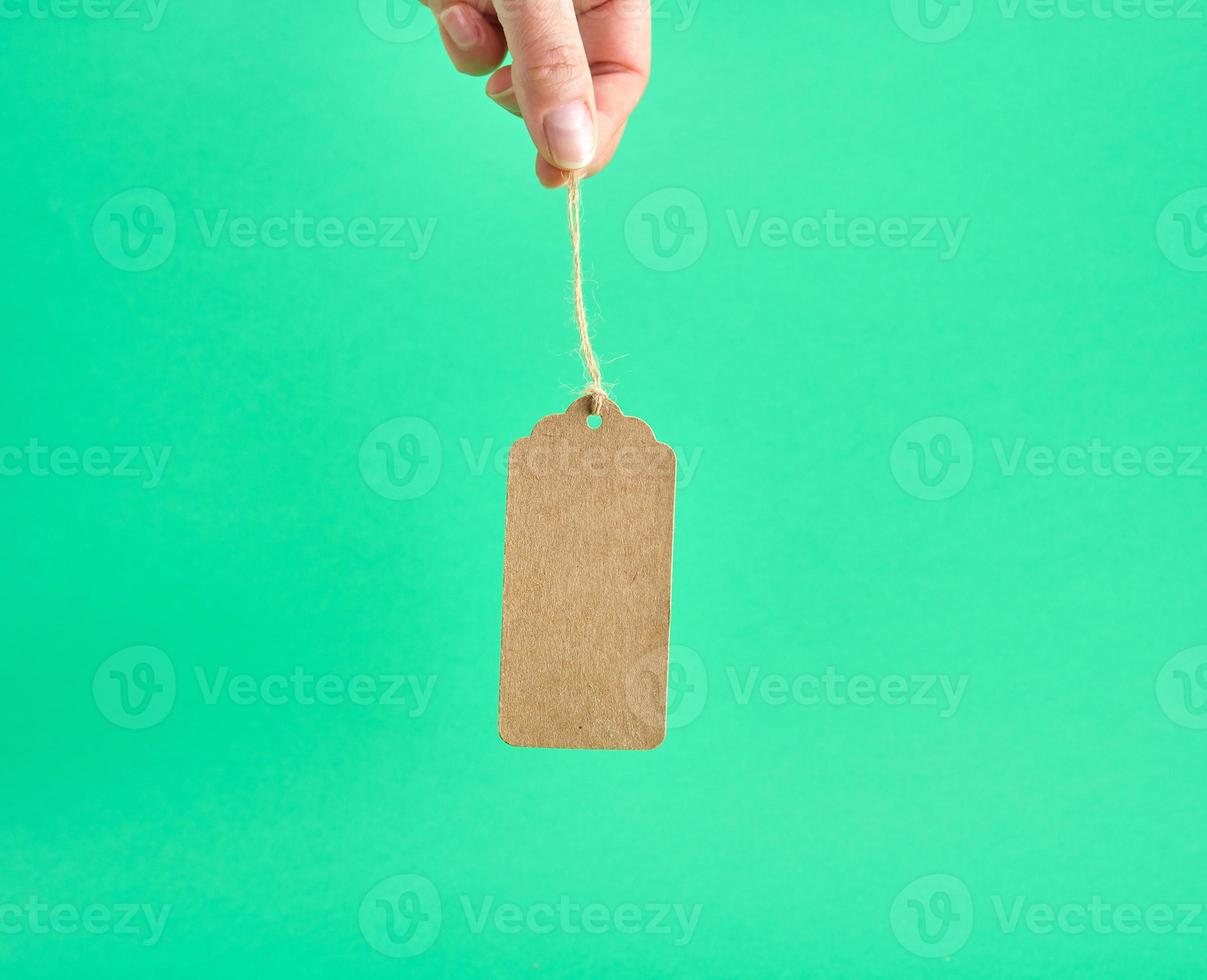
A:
x,y
605,154
502,91
552,80
616,38
474,44
551,177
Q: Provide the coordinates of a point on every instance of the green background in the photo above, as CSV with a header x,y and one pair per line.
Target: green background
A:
x,y
790,371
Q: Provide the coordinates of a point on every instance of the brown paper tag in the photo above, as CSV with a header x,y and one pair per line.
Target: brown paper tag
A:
x,y
587,583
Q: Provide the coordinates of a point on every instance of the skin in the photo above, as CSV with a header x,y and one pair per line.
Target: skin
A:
x,y
564,54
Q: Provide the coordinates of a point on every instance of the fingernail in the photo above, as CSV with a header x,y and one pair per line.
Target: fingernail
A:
x,y
570,131
461,27
506,99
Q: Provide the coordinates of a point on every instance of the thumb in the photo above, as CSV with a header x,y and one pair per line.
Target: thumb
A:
x,y
552,79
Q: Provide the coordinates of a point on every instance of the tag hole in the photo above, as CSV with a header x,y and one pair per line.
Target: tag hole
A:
x,y
594,421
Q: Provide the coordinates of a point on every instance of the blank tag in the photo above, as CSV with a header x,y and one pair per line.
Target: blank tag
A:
x,y
587,583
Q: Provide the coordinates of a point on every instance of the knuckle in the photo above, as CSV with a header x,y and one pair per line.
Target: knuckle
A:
x,y
556,65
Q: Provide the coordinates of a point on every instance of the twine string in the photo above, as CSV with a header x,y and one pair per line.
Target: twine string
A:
x,y
574,213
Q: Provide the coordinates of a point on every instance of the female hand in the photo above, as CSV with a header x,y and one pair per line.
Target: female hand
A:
x,y
578,69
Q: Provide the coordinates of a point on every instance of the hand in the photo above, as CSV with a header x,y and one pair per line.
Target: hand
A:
x,y
578,69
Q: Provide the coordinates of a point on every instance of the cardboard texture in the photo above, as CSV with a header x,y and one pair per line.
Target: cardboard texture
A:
x,y
587,584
